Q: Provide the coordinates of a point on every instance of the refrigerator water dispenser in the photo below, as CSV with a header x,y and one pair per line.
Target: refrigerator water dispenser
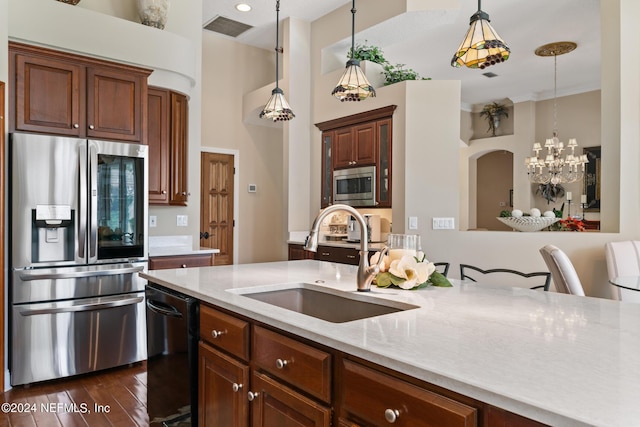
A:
x,y
52,231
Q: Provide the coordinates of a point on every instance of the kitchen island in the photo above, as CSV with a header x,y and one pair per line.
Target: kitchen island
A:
x,y
554,358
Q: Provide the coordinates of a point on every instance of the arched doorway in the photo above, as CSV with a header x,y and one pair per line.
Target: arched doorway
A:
x,y
494,180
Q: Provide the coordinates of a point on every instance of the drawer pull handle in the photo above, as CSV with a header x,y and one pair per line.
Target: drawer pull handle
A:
x,y
325,254
351,256
391,415
252,395
236,387
217,334
281,364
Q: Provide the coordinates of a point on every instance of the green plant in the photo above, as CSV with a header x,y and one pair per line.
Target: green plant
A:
x,y
493,113
397,73
392,73
364,52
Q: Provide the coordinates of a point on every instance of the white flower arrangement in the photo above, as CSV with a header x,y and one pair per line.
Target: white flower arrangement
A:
x,y
408,272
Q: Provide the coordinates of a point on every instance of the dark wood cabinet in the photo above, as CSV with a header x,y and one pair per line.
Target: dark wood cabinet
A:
x,y
65,94
359,140
168,147
290,381
378,399
221,395
227,396
342,255
338,254
297,252
159,150
180,261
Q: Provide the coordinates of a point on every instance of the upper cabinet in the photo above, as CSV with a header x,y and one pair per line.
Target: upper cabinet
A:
x,y
168,147
64,94
362,139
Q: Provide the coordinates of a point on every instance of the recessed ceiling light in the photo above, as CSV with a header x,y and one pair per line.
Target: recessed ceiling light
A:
x,y
243,7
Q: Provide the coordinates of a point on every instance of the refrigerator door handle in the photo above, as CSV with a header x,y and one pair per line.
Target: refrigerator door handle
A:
x,y
93,205
82,195
71,307
31,275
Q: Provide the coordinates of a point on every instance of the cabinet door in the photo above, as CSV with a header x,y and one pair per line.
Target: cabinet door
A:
x,y
326,191
277,405
365,144
222,389
48,96
179,149
115,100
342,151
383,165
158,140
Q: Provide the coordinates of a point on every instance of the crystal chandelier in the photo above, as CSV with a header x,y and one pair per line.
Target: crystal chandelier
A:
x,y
353,85
277,108
481,46
554,168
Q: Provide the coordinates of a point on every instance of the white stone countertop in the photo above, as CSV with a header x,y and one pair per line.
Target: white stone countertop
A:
x,y
175,245
559,359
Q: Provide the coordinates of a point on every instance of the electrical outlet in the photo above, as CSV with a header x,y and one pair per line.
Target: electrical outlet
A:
x,y
181,220
153,221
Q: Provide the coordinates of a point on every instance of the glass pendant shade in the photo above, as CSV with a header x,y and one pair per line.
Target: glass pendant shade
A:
x,y
353,85
277,108
482,46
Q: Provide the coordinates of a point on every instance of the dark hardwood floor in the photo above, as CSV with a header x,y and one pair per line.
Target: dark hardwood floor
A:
x,y
115,397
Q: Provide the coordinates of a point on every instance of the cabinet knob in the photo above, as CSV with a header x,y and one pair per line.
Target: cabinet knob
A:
x,y
184,265
76,126
91,127
252,395
236,387
217,334
281,363
164,191
391,415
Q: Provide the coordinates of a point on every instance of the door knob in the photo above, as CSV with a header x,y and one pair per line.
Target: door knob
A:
x,y
204,235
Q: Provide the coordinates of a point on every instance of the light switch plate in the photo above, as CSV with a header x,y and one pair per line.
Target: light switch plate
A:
x,y
443,223
413,223
182,220
153,221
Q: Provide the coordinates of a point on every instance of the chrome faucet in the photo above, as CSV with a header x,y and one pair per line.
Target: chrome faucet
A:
x,y
366,273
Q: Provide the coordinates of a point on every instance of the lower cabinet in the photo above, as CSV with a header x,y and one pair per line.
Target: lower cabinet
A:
x,y
340,255
253,375
180,261
222,399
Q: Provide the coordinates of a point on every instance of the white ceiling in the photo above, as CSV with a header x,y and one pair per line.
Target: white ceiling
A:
x,y
425,42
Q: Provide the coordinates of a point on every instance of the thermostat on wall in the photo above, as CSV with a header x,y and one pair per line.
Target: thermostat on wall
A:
x,y
252,188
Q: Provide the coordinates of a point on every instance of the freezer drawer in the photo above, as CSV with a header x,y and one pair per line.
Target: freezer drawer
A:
x,y
64,338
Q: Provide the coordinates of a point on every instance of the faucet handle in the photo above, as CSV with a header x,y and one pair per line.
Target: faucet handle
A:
x,y
383,252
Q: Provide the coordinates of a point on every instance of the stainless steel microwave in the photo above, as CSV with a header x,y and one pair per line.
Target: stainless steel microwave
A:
x,y
355,186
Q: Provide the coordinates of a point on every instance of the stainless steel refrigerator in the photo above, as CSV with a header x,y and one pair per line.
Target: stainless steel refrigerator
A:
x,y
78,233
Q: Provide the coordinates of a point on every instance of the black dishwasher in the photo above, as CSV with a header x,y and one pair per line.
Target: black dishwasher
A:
x,y
172,364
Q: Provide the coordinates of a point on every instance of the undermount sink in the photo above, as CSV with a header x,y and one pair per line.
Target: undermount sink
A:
x,y
323,303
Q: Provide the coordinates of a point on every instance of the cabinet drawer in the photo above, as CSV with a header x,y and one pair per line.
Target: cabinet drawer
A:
x,y
225,332
372,396
180,261
306,367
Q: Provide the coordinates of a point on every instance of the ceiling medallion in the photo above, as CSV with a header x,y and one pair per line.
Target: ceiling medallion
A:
x,y
555,48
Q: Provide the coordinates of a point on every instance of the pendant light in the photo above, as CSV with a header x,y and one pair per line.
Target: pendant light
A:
x,y
277,108
482,46
353,85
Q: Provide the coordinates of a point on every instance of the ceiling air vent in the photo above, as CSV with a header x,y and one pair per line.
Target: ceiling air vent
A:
x,y
227,26
490,75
